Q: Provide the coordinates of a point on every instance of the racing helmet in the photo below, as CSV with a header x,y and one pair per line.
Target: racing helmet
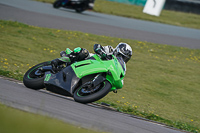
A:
x,y
123,50
108,49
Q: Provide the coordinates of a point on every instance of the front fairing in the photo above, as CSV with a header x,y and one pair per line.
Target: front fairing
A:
x,y
114,70
118,72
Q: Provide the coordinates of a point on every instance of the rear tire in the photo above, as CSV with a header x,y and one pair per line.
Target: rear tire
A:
x,y
102,90
57,4
33,81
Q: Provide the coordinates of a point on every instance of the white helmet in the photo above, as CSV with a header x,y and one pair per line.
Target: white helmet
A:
x,y
108,49
123,50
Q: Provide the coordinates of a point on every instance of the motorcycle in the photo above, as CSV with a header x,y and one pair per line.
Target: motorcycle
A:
x,y
86,81
78,5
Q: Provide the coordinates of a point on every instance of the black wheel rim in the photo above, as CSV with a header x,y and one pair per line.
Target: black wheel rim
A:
x,y
32,73
83,92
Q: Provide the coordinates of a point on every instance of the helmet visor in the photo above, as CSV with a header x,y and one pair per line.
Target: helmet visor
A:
x,y
125,58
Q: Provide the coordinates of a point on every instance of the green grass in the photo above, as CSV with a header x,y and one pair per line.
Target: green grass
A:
x,y
168,17
161,83
17,121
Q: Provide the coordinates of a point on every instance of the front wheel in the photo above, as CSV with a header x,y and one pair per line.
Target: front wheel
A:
x,y
33,78
91,94
79,10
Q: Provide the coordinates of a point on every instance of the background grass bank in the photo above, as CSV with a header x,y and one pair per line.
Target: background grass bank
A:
x,y
161,81
132,11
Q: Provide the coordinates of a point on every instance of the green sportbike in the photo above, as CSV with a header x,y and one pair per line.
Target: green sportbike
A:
x,y
86,81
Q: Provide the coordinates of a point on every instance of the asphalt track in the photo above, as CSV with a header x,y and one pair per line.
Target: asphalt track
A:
x,y
89,116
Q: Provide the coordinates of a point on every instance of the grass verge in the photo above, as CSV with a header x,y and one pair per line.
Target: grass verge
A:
x,y
17,121
132,11
161,83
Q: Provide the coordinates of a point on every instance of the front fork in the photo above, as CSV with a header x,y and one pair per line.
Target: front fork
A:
x,y
96,81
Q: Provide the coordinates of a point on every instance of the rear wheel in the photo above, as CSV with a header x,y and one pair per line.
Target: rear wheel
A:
x,y
33,78
57,4
88,94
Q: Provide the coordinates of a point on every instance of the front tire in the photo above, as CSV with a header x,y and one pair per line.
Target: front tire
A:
x,y
101,90
79,10
33,81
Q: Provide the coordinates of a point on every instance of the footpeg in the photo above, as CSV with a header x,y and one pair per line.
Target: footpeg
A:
x,y
115,91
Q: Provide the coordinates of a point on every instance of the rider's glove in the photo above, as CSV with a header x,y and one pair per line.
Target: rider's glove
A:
x,y
101,52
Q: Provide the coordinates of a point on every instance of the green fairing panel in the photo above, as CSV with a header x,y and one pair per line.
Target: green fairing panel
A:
x,y
68,51
78,49
88,67
65,59
113,88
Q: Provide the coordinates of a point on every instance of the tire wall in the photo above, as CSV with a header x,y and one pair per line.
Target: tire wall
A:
x,y
183,6
190,6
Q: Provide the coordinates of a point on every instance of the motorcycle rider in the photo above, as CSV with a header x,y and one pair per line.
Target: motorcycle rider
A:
x,y
123,52
64,2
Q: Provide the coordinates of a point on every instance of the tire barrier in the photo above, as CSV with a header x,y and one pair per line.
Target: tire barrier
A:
x,y
191,6
183,6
